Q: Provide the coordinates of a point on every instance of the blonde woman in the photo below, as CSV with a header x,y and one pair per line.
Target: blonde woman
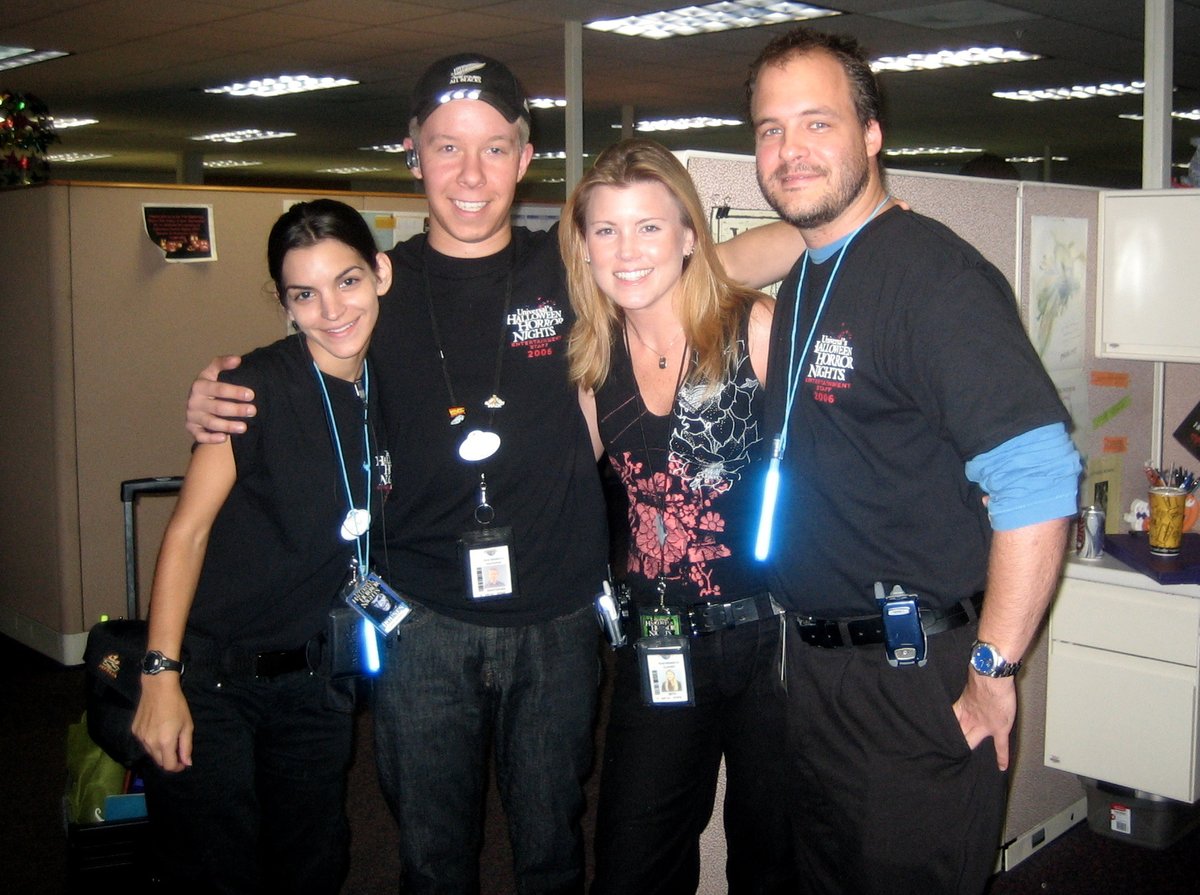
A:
x,y
670,358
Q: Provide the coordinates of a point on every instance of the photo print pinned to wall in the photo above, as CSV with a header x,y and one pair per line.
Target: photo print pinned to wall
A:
x,y
183,232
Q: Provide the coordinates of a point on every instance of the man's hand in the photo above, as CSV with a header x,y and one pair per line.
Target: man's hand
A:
x,y
211,401
988,708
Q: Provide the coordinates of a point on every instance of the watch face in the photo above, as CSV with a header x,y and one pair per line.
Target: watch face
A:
x,y
983,659
155,662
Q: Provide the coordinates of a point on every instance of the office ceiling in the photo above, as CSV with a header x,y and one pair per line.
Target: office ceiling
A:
x,y
140,67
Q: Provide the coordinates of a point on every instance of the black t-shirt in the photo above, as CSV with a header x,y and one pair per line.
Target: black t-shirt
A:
x,y
697,469
919,363
542,482
275,558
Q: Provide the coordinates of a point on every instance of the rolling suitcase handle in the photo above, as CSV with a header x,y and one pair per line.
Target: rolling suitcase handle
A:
x,y
131,489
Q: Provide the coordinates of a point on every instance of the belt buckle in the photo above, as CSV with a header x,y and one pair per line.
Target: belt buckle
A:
x,y
710,617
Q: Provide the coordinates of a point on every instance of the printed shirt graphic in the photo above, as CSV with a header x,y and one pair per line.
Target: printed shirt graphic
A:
x,y
537,329
831,366
690,502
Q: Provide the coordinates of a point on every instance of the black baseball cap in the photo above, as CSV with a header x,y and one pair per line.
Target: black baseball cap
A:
x,y
470,76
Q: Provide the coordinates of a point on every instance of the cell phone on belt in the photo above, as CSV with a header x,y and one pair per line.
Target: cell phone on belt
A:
x,y
903,636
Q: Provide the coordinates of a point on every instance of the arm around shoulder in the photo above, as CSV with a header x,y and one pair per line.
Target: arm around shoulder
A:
x,y
762,255
211,401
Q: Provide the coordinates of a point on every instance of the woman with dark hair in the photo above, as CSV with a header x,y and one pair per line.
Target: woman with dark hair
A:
x,y
250,741
670,356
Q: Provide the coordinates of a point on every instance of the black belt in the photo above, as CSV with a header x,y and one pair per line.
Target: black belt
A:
x,y
243,662
706,618
862,630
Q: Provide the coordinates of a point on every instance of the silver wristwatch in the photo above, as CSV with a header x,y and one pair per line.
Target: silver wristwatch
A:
x,y
986,660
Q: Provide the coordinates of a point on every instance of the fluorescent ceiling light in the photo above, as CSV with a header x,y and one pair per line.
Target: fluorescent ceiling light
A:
x,y
351,169
681,124
933,150
711,18
541,156
547,102
950,59
68,158
1193,115
246,135
61,124
1031,159
384,147
15,57
231,163
282,85
1076,92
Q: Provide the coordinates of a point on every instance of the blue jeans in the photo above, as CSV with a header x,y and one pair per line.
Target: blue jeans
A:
x,y
448,692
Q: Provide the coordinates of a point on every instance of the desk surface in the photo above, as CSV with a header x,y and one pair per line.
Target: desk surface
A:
x,y
1110,570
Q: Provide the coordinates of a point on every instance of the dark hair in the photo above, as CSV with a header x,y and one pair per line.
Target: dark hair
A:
x,y
307,223
864,89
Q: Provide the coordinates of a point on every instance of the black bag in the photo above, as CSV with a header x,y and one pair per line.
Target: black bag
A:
x,y
113,660
114,651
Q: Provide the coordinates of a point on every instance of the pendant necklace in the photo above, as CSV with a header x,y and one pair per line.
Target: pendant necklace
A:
x,y
480,443
357,521
660,497
662,356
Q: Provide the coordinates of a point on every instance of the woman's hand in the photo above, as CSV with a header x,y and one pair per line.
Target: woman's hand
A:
x,y
163,723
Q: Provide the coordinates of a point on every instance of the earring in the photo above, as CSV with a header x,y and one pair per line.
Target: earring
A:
x,y
587,260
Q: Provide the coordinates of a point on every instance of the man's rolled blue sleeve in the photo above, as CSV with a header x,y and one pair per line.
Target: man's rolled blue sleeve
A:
x,y
1031,478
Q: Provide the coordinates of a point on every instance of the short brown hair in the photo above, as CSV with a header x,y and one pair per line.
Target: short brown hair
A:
x,y
846,50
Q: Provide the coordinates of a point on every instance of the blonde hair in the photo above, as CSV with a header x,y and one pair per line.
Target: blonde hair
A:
x,y
710,305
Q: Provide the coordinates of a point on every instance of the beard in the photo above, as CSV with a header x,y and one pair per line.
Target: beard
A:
x,y
843,189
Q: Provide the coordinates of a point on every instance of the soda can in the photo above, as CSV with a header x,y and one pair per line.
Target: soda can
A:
x,y
1089,533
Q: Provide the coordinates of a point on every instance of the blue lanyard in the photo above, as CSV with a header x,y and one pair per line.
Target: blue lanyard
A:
x,y
362,542
795,376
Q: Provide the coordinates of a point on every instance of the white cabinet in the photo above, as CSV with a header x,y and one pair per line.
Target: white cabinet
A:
x,y
1123,679
1147,285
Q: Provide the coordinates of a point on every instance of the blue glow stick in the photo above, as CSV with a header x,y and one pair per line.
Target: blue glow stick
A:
x,y
370,647
766,518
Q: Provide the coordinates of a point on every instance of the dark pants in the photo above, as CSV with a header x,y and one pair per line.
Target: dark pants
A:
x,y
262,808
660,770
450,691
887,796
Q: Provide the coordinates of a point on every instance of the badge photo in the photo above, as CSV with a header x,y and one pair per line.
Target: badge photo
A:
x,y
666,670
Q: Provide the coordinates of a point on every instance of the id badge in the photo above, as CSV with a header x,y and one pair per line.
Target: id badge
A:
x,y
659,621
377,602
666,668
488,564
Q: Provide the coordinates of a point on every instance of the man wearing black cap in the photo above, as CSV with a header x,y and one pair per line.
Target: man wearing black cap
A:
x,y
498,485
495,524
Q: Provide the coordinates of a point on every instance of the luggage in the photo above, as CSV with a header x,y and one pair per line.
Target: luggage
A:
x,y
115,647
109,848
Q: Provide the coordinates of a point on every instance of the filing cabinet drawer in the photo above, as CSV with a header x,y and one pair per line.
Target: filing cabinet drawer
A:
x,y
1127,620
